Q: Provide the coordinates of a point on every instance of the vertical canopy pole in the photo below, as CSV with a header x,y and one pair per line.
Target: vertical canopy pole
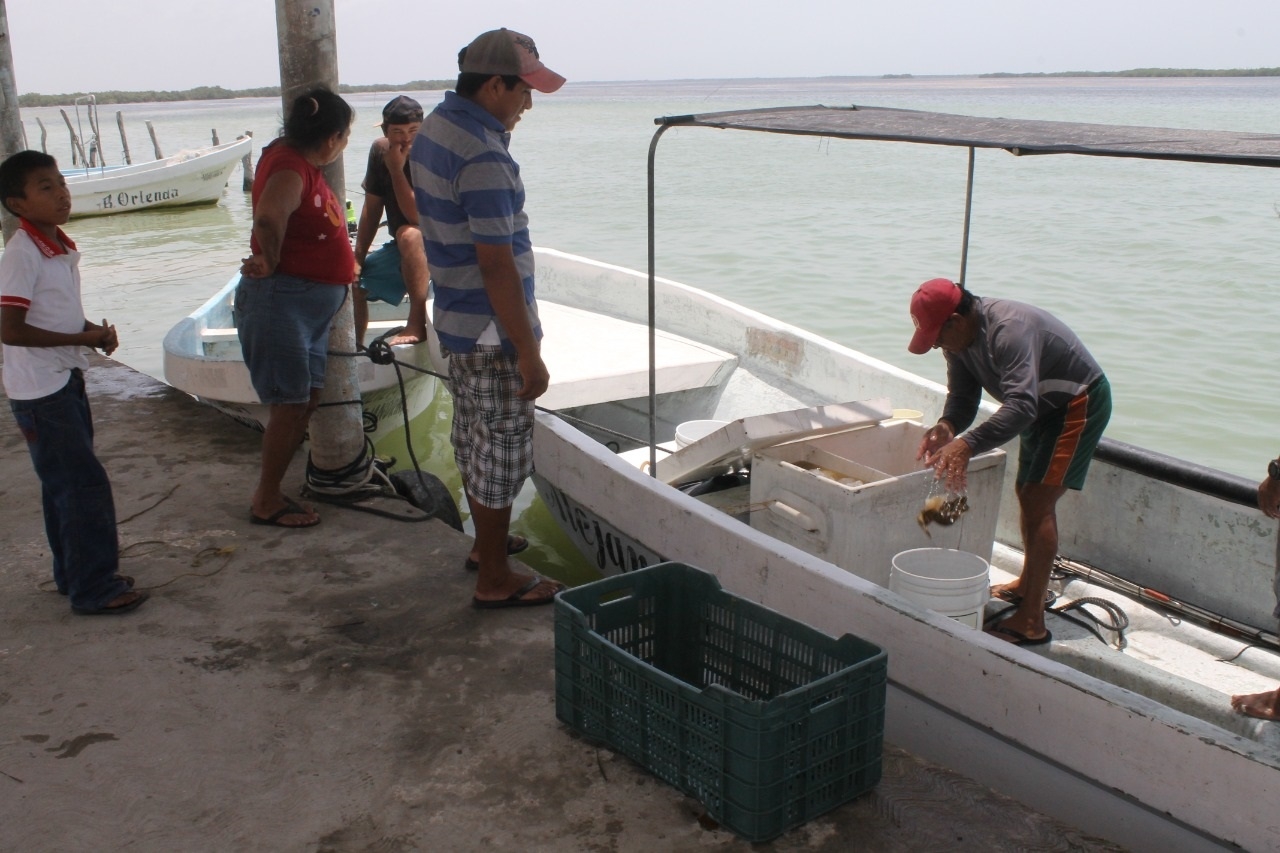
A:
x,y
968,213
653,317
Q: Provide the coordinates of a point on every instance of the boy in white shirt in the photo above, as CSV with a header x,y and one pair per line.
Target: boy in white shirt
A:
x,y
43,330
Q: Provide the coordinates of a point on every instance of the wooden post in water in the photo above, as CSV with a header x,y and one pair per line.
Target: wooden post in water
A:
x,y
124,140
77,150
306,33
155,143
215,136
246,166
10,117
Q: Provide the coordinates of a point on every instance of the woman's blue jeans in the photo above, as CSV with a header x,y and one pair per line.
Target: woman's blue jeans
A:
x,y
79,513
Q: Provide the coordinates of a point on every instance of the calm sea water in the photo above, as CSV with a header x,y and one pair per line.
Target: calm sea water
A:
x,y
1167,271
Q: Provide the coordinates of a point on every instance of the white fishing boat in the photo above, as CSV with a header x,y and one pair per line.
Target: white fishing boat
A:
x,y
186,178
1126,734
202,357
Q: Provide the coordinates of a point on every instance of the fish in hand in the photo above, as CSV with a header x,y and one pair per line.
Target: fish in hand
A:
x,y
941,510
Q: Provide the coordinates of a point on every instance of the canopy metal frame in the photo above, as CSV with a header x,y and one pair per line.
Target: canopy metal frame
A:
x,y
1019,137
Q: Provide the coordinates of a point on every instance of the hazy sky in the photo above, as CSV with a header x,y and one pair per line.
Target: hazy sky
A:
x,y
77,45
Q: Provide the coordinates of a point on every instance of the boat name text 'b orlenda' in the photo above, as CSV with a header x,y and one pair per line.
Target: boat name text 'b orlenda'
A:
x,y
123,199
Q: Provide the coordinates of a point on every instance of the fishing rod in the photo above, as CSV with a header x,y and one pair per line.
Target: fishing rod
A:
x,y
1200,615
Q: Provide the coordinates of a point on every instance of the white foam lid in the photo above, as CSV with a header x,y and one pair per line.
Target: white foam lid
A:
x,y
739,439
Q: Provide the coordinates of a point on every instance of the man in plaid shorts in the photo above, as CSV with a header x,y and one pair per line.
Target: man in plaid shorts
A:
x,y
471,210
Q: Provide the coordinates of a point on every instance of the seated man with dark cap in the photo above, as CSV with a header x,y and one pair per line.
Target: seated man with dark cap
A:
x,y
401,264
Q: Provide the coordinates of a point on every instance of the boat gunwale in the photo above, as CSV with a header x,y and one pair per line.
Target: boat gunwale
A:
x,y
79,176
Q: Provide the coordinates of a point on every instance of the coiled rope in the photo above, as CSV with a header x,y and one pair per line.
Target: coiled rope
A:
x,y
1119,620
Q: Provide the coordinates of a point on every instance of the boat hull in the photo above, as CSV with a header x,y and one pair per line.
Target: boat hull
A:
x,y
1090,751
1086,751
202,357
197,177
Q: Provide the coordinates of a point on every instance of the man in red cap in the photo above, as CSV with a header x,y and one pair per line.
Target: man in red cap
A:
x,y
470,202
1053,397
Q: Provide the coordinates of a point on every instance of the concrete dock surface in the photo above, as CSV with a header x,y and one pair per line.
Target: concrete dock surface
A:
x,y
332,689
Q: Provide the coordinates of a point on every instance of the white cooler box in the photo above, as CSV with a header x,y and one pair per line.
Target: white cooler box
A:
x,y
861,520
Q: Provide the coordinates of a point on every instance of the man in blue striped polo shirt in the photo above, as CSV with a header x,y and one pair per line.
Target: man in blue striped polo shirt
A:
x,y
471,210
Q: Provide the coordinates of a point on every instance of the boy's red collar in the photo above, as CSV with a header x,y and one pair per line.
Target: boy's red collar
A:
x,y
50,248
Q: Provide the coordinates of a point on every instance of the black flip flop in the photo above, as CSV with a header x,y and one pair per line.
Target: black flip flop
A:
x,y
517,598
1019,638
515,544
291,507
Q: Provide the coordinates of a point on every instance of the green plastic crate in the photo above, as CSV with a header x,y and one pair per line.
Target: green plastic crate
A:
x,y
766,721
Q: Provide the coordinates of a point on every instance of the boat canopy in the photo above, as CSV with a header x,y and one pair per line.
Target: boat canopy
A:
x,y
1017,136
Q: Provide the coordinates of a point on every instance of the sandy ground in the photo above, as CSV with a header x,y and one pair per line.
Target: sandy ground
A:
x,y
332,689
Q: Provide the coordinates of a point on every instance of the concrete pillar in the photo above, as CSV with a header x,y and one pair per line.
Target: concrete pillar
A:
x,y
11,137
309,58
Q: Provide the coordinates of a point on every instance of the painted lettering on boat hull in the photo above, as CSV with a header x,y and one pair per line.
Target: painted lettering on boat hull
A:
x,y
611,550
125,200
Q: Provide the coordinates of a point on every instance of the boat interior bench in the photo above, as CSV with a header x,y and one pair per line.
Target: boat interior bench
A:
x,y
597,359
592,358
217,336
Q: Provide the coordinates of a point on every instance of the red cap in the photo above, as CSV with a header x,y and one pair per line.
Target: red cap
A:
x,y
932,304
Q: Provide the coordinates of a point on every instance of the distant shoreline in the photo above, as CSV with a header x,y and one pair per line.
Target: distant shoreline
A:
x,y
214,93
1148,72
217,93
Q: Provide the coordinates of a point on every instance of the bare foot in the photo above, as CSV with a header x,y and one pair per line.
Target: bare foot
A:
x,y
1017,638
1021,629
1011,592
1264,706
515,544
521,591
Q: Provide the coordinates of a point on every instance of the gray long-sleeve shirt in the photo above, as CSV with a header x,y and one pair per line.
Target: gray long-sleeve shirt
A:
x,y
1025,358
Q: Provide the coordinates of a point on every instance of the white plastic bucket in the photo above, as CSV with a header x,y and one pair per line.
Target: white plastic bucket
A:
x,y
690,431
953,583
914,416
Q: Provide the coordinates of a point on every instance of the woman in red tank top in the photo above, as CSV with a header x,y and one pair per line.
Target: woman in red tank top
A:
x,y
296,278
